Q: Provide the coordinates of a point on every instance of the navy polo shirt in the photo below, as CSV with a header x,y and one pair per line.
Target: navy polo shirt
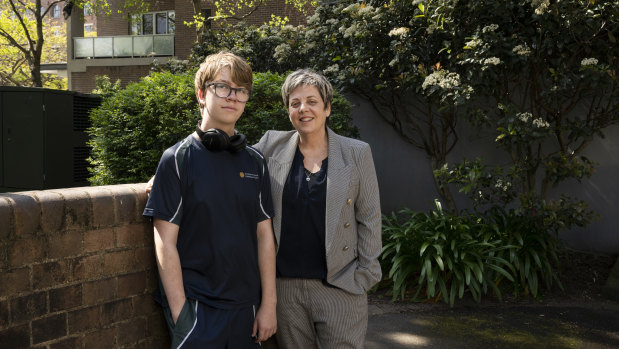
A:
x,y
302,242
217,200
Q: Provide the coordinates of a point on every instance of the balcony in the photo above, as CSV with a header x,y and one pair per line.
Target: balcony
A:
x,y
124,46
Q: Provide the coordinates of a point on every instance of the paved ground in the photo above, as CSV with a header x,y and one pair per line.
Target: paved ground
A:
x,y
592,324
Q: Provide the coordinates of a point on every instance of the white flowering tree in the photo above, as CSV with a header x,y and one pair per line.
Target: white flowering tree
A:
x,y
545,77
391,53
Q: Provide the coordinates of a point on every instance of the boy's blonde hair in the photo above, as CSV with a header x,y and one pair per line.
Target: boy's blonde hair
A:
x,y
239,70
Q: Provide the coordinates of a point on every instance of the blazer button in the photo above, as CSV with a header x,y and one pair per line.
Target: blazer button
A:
x,y
346,225
348,202
345,248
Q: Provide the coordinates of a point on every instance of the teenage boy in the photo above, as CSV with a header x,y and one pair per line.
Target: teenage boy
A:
x,y
211,205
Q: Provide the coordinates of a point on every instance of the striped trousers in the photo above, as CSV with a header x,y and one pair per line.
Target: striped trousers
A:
x,y
313,315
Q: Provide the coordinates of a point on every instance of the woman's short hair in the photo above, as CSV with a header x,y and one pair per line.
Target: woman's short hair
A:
x,y
240,70
311,78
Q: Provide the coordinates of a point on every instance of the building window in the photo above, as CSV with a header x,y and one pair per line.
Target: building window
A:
x,y
87,9
56,11
88,28
153,23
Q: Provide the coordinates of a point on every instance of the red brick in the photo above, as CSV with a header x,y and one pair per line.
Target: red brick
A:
x,y
50,274
26,251
145,305
14,281
131,332
156,325
84,319
126,203
4,255
27,213
67,343
52,211
16,337
65,298
89,267
133,235
28,307
102,207
4,314
6,218
99,291
98,240
65,244
131,284
102,338
118,262
48,328
78,209
145,257
117,311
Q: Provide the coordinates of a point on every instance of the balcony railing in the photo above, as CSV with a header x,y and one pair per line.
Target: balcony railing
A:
x,y
123,46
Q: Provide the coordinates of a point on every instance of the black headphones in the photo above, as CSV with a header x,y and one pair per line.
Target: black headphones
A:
x,y
215,139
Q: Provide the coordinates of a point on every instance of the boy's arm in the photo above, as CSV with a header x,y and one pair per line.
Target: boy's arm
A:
x,y
265,324
169,265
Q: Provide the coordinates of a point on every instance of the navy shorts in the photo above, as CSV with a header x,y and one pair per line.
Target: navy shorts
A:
x,y
202,326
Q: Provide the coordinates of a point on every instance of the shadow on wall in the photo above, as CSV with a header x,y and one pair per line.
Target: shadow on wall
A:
x,y
405,176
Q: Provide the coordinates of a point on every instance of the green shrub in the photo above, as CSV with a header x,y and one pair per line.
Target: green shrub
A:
x,y
133,126
445,255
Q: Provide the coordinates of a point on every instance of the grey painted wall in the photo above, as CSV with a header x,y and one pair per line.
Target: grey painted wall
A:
x,y
404,176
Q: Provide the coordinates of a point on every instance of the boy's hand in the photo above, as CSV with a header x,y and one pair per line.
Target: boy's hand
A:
x,y
149,185
265,324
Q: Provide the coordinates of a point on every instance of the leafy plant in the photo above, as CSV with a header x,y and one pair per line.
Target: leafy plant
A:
x,y
446,256
133,126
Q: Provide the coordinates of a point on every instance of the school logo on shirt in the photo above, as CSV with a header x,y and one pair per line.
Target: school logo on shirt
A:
x,y
248,175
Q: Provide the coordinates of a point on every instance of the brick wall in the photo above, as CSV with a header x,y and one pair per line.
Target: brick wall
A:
x,y
85,82
77,270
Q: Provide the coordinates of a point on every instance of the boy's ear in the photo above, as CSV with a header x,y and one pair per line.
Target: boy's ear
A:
x,y
201,97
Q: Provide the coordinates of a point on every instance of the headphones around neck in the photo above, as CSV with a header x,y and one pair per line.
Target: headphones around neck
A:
x,y
215,139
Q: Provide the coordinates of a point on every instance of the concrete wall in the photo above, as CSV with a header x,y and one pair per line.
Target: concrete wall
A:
x,y
77,270
404,176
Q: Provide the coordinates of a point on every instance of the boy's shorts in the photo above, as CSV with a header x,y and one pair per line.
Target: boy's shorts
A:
x,y
202,326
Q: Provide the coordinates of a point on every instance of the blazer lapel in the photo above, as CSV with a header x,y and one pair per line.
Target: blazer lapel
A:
x,y
279,166
338,175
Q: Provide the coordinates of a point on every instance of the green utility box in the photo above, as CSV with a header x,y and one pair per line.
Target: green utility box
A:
x,y
43,140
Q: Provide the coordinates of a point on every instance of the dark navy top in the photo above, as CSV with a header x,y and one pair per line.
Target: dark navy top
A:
x,y
217,200
302,243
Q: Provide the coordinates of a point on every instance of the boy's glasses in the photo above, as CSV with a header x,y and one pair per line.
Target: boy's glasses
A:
x,y
224,91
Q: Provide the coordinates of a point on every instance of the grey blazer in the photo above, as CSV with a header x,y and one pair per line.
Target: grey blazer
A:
x,y
353,217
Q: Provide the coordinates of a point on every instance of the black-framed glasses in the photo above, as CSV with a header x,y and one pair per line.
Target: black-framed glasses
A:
x,y
224,91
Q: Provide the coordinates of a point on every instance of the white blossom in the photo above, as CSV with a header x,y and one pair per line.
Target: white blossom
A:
x,y
524,117
589,61
540,6
473,43
331,21
332,69
442,79
350,31
367,9
399,31
350,7
540,123
490,28
492,60
521,50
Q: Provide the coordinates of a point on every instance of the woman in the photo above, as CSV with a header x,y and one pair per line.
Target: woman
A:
x,y
327,222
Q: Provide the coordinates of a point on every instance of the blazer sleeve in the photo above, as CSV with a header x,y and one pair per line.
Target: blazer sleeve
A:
x,y
369,223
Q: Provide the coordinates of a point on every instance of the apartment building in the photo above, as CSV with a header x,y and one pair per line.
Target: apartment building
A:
x,y
125,46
